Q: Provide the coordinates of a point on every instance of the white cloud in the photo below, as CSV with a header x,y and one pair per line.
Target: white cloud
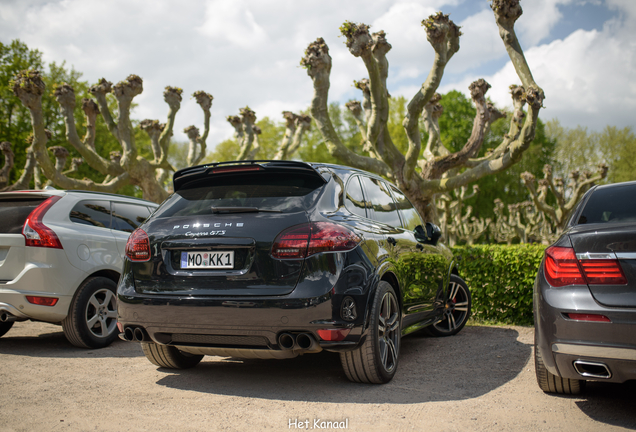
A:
x,y
479,43
587,78
233,22
247,52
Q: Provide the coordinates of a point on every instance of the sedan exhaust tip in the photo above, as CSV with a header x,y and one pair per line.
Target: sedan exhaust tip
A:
x,y
592,369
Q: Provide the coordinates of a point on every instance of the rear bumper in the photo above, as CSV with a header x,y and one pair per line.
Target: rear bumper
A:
x,y
54,279
248,323
566,346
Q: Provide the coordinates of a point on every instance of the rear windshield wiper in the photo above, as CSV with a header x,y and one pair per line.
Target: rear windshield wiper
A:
x,y
241,210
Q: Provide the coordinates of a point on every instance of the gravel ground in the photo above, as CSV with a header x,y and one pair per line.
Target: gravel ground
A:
x,y
481,379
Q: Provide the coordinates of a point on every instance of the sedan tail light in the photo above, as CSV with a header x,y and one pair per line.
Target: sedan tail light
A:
x,y
138,246
603,272
563,268
304,240
37,234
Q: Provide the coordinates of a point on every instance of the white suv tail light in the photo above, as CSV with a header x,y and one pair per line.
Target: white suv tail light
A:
x,y
35,233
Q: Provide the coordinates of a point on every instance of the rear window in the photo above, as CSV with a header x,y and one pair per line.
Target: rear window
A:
x,y
613,204
14,212
284,192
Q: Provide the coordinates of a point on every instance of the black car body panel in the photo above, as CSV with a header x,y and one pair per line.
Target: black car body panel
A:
x,y
246,308
593,323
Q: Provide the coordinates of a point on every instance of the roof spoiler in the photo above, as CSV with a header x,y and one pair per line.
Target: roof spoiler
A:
x,y
185,175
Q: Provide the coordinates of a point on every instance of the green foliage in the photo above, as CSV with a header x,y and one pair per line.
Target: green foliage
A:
x,y
313,148
613,146
501,280
270,138
456,124
15,121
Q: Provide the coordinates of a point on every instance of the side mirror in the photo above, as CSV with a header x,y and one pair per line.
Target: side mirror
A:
x,y
420,234
428,235
433,233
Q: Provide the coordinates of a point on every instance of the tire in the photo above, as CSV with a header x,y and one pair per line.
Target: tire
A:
x,y
92,317
376,360
551,383
5,327
169,357
456,311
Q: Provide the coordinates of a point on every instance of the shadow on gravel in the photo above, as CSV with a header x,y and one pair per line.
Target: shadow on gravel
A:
x,y
465,366
54,345
610,403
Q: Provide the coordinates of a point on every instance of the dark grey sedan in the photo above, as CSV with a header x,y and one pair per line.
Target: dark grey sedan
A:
x,y
585,295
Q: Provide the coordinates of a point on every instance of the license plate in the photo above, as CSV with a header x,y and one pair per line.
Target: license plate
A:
x,y
207,260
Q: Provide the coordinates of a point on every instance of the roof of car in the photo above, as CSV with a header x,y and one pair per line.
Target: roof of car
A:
x,y
61,192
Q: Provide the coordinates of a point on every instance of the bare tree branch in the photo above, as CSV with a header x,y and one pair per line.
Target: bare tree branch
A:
x,y
318,64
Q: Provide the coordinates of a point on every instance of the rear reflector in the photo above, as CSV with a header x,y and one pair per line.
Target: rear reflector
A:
x,y
138,246
304,240
42,301
35,233
333,335
588,317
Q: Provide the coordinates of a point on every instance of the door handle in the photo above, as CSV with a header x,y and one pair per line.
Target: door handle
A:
x,y
391,241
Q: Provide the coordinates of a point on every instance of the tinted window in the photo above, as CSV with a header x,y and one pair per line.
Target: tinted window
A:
x,y
95,213
410,216
354,201
127,217
284,192
14,212
612,204
384,208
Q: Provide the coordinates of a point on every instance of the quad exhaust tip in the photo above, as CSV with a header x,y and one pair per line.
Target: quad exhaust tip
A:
x,y
589,369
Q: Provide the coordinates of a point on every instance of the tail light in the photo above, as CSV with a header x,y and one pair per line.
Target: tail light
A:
x,y
603,272
37,234
138,246
304,240
563,268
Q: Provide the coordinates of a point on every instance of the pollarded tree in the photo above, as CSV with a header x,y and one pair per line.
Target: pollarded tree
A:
x,y
565,195
422,176
125,167
247,143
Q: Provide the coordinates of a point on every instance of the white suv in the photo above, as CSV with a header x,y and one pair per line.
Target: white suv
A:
x,y
61,255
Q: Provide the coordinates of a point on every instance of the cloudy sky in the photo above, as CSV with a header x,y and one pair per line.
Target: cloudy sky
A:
x,y
247,52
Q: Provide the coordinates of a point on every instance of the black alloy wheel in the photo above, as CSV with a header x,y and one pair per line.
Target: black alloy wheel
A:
x,y
456,310
376,360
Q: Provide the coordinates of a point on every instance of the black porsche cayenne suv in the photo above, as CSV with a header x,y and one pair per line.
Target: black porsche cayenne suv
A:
x,y
272,259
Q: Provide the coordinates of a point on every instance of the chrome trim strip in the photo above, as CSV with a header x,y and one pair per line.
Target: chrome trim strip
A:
x,y
626,255
590,255
595,351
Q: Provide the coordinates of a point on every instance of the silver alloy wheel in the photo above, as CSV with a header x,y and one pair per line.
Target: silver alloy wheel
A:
x,y
388,334
456,309
101,313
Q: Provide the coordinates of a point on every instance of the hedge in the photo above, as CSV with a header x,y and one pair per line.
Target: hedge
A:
x,y
500,279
